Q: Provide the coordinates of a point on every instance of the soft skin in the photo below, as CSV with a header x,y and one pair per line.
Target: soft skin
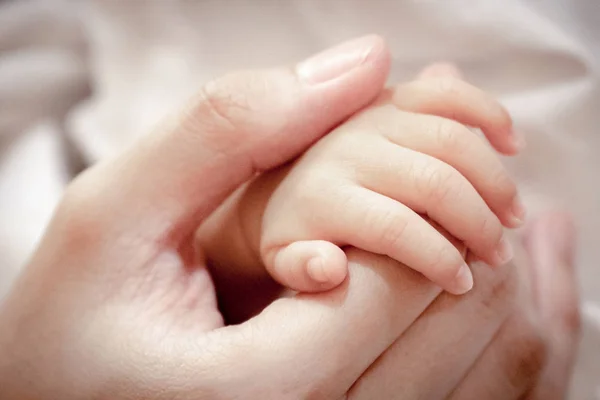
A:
x,y
117,304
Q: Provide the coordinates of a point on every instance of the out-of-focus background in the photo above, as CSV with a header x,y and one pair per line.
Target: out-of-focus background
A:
x,y
81,79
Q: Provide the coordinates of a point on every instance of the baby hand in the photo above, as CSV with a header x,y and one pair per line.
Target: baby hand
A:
x,y
369,183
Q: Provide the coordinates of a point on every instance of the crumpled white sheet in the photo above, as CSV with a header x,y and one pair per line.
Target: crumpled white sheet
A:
x,y
80,80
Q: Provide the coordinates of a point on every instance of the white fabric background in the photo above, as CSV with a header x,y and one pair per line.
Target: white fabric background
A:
x,y
79,80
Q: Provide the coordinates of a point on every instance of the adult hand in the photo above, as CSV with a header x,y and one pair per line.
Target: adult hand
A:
x,y
514,336
116,303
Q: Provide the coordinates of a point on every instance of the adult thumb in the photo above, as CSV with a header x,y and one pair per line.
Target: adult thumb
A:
x,y
238,125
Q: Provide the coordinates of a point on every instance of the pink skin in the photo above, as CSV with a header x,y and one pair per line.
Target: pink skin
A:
x,y
314,264
117,304
550,244
521,349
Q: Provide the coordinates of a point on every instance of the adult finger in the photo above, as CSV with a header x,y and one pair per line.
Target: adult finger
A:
x,y
510,365
534,351
311,345
443,343
513,360
135,213
455,99
550,244
238,125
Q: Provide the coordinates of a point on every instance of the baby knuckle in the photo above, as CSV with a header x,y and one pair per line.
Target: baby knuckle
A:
x,y
449,135
412,172
392,228
437,182
387,121
448,85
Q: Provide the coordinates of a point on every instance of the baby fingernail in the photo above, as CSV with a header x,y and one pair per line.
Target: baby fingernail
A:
x,y
504,252
517,212
518,140
316,270
463,281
